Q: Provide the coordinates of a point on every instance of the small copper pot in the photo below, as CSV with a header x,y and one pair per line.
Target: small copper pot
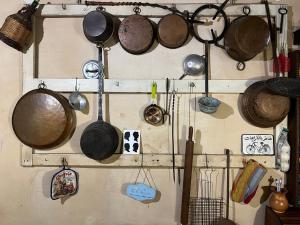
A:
x,y
278,201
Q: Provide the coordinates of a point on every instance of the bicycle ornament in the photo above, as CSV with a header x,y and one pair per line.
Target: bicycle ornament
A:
x,y
257,144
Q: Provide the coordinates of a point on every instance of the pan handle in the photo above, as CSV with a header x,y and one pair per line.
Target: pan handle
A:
x,y
206,68
100,84
190,133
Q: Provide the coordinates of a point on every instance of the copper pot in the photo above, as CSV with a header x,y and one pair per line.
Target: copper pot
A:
x,y
278,201
136,34
263,108
101,27
172,31
246,37
43,119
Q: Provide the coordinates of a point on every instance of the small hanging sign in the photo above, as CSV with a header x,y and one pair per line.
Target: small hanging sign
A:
x,y
257,144
141,192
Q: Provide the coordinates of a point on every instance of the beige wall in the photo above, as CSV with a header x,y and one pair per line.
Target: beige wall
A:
x,y
24,192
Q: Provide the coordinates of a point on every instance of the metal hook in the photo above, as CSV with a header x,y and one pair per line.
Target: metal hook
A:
x,y
246,10
76,85
206,161
63,6
42,84
100,8
192,84
64,162
137,10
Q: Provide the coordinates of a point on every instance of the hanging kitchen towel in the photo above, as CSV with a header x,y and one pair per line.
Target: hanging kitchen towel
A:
x,y
245,185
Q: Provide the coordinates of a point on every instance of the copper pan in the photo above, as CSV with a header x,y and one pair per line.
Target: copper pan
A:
x,y
246,37
263,108
136,34
172,31
43,119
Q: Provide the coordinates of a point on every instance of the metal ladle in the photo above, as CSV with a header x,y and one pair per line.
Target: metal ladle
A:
x,y
193,65
208,104
77,100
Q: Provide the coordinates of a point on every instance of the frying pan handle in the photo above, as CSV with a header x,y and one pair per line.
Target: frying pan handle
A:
x,y
206,68
100,84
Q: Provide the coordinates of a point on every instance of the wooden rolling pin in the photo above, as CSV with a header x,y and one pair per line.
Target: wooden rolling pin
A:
x,y
188,163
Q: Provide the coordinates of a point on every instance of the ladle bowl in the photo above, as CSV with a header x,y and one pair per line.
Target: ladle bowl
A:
x,y
77,101
208,104
193,65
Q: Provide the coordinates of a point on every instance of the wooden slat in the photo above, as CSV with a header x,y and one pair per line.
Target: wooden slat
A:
x,y
149,160
140,86
26,156
52,10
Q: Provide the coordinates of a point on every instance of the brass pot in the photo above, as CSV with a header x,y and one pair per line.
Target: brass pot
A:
x,y
278,201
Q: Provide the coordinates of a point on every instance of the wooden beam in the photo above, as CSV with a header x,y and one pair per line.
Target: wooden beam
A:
x,y
147,160
140,86
70,10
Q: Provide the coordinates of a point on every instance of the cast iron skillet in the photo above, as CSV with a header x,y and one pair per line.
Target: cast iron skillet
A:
x,y
99,140
101,27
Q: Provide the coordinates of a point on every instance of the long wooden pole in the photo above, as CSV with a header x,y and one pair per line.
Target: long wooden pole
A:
x,y
188,163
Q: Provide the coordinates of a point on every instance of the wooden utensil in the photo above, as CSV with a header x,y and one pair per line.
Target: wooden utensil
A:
x,y
188,163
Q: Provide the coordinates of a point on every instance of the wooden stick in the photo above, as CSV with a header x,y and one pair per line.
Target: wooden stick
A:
x,y
188,163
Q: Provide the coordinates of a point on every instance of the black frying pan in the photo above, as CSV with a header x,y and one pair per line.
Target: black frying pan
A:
x,y
99,140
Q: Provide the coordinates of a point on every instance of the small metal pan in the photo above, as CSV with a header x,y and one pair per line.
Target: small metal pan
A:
x,y
154,114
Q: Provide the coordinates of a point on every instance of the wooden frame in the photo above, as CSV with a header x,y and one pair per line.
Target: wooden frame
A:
x,y
30,158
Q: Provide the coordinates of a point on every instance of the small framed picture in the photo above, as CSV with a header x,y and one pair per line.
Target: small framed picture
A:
x,y
257,144
131,141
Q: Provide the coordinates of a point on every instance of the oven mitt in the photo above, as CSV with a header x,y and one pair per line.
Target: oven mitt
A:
x,y
245,185
64,183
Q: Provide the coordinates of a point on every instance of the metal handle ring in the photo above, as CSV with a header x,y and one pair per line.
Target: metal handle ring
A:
x,y
137,10
42,85
282,11
240,66
246,10
100,8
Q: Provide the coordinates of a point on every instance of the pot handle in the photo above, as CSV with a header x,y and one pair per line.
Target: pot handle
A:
x,y
154,93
